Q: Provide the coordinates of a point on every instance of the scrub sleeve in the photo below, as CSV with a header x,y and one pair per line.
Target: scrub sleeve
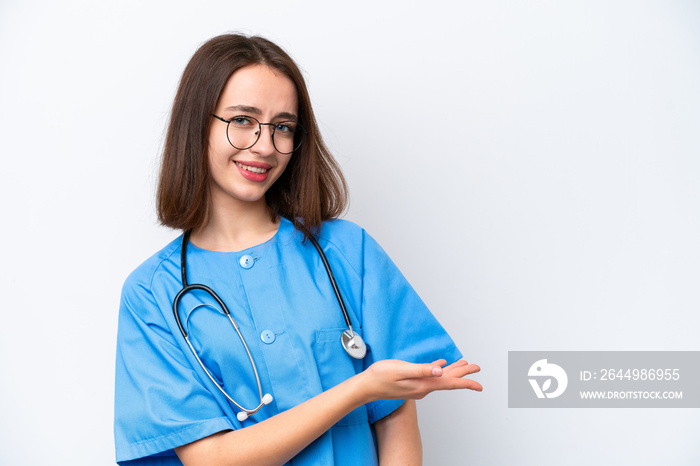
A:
x,y
396,324
161,400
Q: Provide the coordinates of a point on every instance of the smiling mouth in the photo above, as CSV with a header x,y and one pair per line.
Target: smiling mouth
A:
x,y
257,170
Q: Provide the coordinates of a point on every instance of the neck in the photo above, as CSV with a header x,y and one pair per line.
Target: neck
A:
x,y
238,227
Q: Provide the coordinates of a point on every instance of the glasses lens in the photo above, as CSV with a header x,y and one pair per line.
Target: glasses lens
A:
x,y
288,136
243,131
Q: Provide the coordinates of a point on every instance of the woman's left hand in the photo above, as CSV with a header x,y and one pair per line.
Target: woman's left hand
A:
x,y
392,378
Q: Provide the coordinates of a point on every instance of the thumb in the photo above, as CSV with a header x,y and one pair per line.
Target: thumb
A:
x,y
435,368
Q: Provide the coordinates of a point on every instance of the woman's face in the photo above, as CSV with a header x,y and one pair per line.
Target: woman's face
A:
x,y
242,177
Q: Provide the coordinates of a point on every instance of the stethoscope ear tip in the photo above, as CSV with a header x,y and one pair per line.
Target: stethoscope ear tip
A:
x,y
243,415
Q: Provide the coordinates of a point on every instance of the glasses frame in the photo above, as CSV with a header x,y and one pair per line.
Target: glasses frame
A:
x,y
272,132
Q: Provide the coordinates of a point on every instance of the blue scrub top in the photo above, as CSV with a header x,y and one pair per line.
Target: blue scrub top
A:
x,y
285,307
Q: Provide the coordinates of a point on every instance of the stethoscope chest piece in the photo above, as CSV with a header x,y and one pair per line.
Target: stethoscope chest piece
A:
x,y
353,344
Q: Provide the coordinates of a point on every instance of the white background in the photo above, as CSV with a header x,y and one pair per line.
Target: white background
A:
x,y
532,167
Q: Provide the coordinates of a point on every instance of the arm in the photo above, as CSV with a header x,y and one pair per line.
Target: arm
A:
x,y
398,437
279,438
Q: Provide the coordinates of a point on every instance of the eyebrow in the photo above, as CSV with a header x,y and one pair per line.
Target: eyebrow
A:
x,y
257,111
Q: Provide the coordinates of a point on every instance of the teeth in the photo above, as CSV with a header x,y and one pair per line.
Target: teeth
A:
x,y
252,169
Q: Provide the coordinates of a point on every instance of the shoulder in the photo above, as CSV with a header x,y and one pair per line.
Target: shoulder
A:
x,y
337,229
348,235
345,235
141,279
352,241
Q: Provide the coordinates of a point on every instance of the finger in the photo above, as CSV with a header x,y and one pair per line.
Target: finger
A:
x,y
470,368
456,384
439,362
460,370
438,371
436,368
459,363
412,371
433,369
471,385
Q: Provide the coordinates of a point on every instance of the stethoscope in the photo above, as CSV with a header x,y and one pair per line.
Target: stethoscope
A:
x,y
353,343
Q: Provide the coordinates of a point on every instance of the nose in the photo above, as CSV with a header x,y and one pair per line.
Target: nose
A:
x,y
264,146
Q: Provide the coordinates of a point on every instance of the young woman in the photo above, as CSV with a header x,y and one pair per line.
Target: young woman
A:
x,y
298,374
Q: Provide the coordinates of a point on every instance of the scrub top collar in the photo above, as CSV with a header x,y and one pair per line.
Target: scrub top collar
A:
x,y
285,232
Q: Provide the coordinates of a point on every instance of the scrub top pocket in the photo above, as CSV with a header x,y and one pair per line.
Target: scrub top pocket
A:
x,y
335,366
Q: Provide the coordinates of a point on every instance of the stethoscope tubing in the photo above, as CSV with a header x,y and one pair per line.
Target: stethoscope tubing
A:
x,y
352,343
186,288
336,290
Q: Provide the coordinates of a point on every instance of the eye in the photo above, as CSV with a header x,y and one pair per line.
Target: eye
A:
x,y
243,121
286,127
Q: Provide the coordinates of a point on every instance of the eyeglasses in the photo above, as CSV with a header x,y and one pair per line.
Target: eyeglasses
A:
x,y
243,132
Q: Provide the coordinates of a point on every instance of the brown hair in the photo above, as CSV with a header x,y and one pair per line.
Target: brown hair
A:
x,y
312,187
